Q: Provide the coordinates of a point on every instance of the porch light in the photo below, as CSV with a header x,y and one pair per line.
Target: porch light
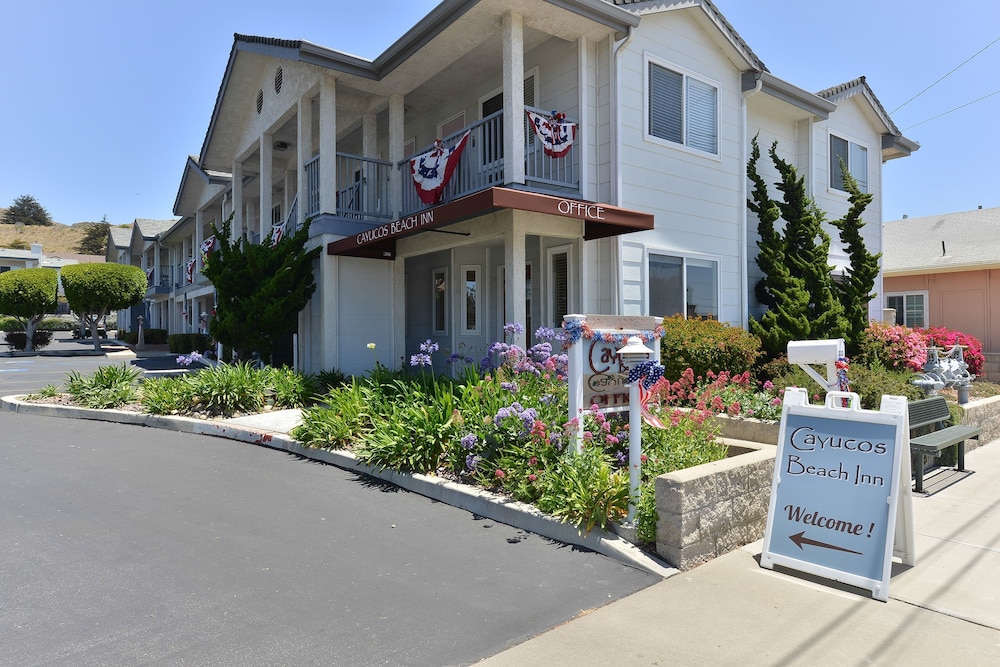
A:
x,y
634,352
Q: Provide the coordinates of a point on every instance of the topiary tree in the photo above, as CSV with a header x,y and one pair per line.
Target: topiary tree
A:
x,y
93,290
26,211
260,289
27,295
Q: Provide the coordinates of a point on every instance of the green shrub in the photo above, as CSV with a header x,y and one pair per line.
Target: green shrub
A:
x,y
290,389
165,395
705,345
8,323
107,387
18,339
869,382
585,489
338,424
184,343
227,389
149,336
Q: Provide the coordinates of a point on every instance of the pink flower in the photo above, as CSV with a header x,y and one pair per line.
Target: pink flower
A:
x,y
642,458
532,477
533,461
499,474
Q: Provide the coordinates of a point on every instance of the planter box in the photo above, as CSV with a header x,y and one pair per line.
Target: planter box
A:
x,y
712,509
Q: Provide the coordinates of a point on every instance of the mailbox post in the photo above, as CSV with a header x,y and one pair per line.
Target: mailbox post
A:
x,y
632,355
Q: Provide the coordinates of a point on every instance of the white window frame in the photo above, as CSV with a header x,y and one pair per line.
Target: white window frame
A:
x,y
648,60
441,271
685,257
925,295
864,185
550,296
464,271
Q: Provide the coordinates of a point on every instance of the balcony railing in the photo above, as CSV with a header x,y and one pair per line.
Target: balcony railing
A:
x,y
482,164
362,187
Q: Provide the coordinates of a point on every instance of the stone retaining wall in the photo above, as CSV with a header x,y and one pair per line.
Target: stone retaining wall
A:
x,y
985,413
709,510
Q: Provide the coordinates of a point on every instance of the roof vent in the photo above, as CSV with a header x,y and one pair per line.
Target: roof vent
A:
x,y
260,101
277,80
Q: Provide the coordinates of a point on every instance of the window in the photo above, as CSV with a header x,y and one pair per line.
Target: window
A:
x,y
470,282
683,285
560,270
911,308
682,109
854,156
439,300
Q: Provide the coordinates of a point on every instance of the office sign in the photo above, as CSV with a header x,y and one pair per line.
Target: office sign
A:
x,y
836,488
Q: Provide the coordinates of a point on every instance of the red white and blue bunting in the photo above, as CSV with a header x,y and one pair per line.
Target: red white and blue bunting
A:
x,y
189,271
207,246
647,374
278,233
432,170
149,277
557,135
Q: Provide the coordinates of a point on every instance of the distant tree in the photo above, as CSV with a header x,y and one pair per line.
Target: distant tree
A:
x,y
95,237
27,211
93,290
18,244
27,295
260,289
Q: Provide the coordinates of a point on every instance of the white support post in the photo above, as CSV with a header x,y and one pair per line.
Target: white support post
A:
x,y
575,379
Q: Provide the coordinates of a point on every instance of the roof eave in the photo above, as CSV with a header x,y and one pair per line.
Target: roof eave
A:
x,y
798,97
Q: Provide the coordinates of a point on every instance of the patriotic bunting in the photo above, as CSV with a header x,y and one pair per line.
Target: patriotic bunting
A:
x,y
278,233
149,277
207,246
557,135
432,170
189,271
647,374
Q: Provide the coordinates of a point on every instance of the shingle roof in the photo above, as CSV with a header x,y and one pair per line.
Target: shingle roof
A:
x,y
150,228
121,236
940,243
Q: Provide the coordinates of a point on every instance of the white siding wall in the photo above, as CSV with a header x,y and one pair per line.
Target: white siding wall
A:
x,y
695,197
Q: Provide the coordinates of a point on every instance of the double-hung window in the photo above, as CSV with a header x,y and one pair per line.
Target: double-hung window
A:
x,y
687,286
911,308
682,109
851,155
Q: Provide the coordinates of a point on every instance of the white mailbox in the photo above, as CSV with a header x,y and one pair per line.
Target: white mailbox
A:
x,y
804,353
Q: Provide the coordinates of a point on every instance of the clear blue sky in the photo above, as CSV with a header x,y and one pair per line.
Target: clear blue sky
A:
x,y
104,100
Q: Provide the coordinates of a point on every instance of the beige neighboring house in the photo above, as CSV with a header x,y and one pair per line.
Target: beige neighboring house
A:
x,y
944,270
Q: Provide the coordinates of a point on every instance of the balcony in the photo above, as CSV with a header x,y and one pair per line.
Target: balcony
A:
x,y
363,189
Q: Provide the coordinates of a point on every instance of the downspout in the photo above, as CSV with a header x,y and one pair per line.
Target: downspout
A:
x,y
616,161
744,216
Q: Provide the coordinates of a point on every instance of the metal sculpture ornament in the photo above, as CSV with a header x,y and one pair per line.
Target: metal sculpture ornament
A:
x,y
431,171
647,374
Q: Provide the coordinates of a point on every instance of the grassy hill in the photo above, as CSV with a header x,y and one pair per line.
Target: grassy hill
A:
x,y
54,238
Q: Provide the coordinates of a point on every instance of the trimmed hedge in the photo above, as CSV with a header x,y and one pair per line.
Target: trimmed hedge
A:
x,y
150,336
188,342
705,345
18,339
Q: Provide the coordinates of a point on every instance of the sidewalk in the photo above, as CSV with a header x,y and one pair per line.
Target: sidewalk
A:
x,y
730,611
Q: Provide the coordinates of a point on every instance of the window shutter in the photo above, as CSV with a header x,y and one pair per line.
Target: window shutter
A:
x,y
665,104
701,114
560,287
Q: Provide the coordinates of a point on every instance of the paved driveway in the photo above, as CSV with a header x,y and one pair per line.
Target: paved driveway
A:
x,y
128,545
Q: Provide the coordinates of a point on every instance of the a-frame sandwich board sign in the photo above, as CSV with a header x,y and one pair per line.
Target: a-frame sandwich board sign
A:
x,y
840,495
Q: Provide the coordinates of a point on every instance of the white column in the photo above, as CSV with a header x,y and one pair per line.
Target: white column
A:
x,y
266,181
199,236
513,98
304,149
514,261
397,137
588,102
575,380
237,227
328,145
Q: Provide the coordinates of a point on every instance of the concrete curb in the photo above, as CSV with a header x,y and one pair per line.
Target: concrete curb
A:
x,y
478,501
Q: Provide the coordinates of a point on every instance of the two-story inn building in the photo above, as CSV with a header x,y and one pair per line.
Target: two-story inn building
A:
x,y
597,155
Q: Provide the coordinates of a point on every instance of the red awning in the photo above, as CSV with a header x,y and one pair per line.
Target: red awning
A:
x,y
600,220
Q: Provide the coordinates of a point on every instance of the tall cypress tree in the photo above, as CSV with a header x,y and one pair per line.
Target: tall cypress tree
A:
x,y
260,289
857,287
797,286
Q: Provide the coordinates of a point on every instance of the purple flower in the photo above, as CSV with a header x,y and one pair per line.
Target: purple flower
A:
x,y
509,386
512,328
545,333
420,360
469,441
429,346
471,461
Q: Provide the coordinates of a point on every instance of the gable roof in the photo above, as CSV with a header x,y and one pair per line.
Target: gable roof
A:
x,y
120,236
894,144
942,243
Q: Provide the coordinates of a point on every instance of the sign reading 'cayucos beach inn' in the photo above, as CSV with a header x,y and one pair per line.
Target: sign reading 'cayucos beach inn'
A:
x,y
601,219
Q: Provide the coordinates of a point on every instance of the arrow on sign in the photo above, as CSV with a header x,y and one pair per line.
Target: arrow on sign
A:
x,y
800,539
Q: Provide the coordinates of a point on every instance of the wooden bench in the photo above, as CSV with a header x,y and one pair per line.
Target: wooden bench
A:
x,y
933,412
